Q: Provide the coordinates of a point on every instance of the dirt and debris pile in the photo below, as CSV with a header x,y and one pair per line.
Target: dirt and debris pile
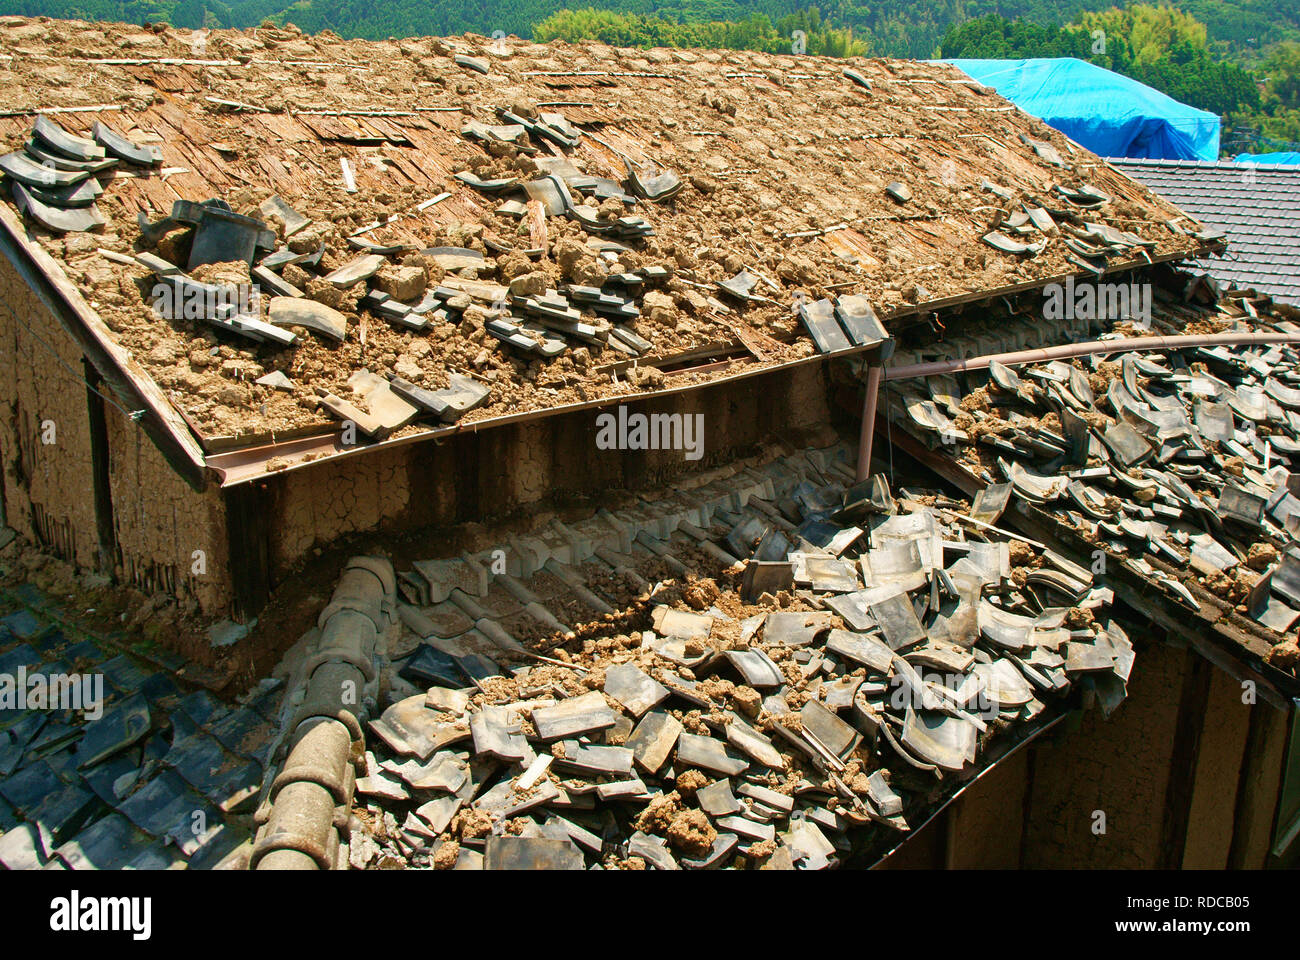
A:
x,y
802,666
529,236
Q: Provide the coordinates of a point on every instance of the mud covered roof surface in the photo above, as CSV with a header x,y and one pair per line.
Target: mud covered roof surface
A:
x,y
1257,205
809,182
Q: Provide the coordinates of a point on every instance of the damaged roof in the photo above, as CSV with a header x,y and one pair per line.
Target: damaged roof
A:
x,y
771,666
1256,205
1172,465
551,222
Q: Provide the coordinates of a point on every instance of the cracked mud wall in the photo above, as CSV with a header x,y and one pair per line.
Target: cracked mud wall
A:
x,y
314,506
170,538
1118,766
48,451
45,438
517,468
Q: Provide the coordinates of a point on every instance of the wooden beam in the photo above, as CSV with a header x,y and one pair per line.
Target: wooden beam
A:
x,y
249,522
99,469
1193,714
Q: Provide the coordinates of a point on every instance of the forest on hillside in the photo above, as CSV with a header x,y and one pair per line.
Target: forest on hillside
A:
x,y
898,28
1237,58
1167,49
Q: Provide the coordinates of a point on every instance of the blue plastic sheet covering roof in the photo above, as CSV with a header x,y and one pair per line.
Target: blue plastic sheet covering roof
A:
x,y
1110,114
1292,157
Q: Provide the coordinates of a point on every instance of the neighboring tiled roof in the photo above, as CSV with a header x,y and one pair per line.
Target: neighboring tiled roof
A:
x,y
1256,205
162,779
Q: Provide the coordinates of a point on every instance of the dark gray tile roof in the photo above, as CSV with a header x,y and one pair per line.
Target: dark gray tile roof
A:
x,y
163,778
1257,206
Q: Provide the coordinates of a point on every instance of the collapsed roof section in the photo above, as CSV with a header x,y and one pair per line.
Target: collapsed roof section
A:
x,y
558,224
1167,465
778,668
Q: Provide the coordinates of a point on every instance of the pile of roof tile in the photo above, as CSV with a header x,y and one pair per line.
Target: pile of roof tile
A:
x,y
1180,464
1028,228
543,323
219,235
553,315
53,178
853,657
559,179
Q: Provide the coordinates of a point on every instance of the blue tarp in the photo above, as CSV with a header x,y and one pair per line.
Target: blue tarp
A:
x,y
1267,158
1110,114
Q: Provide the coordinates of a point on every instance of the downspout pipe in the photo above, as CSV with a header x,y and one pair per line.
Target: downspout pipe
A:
x,y
1068,350
868,429
309,802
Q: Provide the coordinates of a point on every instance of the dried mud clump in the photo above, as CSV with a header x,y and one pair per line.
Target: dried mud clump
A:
x,y
1261,556
1285,655
659,813
690,782
691,833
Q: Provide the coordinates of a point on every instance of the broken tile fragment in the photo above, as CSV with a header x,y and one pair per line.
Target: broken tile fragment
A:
x,y
746,828
653,740
723,847
573,717
861,648
633,688
314,316
717,799
836,735
678,623
496,733
777,801
756,667
520,853
594,759
438,813
708,754
652,850
354,271
753,744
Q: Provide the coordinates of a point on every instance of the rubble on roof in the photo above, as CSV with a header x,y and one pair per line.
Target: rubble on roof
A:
x,y
649,194
1179,464
613,699
53,177
1041,223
